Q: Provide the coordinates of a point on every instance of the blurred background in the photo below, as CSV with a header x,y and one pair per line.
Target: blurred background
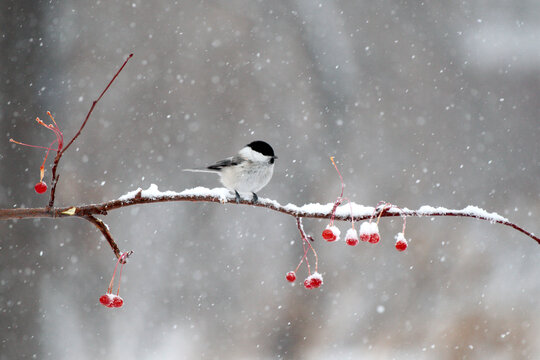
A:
x,y
420,102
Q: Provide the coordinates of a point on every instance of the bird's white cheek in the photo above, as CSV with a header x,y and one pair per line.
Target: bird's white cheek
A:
x,y
251,155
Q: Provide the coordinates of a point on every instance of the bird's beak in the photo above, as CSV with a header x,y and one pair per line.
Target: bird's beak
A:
x,y
274,157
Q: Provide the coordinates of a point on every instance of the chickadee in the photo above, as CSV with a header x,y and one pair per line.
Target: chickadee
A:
x,y
249,171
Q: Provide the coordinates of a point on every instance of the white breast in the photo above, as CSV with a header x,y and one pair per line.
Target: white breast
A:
x,y
250,176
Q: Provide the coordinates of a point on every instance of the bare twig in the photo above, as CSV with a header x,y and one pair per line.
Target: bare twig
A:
x,y
106,233
54,177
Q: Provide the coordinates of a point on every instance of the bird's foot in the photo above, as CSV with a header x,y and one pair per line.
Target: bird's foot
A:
x,y
238,198
255,198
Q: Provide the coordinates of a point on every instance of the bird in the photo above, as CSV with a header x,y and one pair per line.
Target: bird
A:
x,y
248,171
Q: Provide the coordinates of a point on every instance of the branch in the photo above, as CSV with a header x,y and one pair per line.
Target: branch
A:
x,y
221,195
107,235
54,177
94,103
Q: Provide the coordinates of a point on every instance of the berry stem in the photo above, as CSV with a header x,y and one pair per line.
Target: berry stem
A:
x,y
34,146
303,257
42,167
111,284
386,206
340,197
306,249
352,217
305,240
120,273
56,129
404,224
340,177
375,210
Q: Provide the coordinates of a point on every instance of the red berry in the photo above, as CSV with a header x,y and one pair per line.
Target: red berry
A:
x,y
401,245
110,300
117,301
105,300
374,238
291,276
331,233
315,282
364,237
328,235
351,238
40,187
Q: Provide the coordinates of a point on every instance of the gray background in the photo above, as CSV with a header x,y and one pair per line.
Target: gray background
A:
x,y
421,103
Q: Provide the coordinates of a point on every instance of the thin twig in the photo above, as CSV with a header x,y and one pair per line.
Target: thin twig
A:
x,y
108,236
54,180
95,102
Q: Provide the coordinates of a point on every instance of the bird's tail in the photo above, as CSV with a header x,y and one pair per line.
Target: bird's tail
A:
x,y
201,170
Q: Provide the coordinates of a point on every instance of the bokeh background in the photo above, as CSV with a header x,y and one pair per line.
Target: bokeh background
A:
x,y
420,102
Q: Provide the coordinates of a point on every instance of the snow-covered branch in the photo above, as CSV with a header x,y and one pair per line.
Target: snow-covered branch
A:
x,y
221,195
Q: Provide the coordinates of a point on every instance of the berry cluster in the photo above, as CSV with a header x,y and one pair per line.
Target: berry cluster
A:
x,y
369,232
41,186
314,280
109,299
351,238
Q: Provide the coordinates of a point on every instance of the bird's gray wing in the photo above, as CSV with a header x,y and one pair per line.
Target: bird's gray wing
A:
x,y
232,161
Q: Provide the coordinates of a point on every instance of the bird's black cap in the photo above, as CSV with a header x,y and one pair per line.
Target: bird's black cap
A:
x,y
262,147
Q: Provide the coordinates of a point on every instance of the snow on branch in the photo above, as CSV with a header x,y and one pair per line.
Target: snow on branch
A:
x,y
221,195
314,210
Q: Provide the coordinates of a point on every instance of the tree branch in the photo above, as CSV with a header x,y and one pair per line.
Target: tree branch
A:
x,y
315,211
54,177
101,226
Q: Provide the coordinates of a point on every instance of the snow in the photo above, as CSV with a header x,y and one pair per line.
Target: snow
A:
x,y
400,237
313,209
154,193
151,193
357,210
315,275
469,210
351,234
343,210
335,230
368,228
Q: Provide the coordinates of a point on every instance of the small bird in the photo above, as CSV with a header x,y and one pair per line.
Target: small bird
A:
x,y
247,172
